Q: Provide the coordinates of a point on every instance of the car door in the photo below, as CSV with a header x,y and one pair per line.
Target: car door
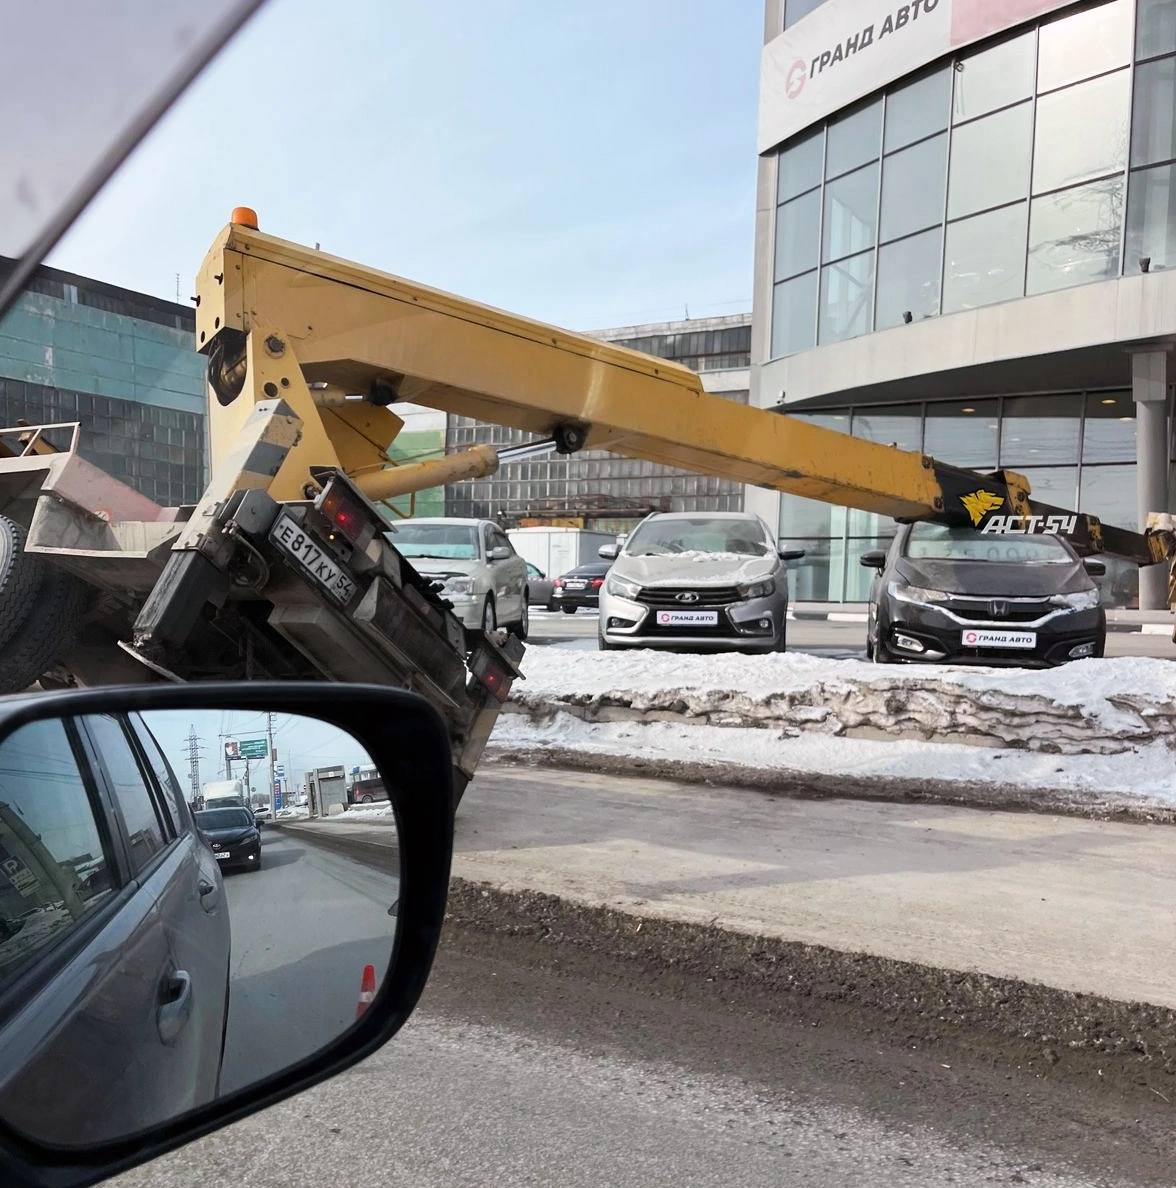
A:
x,y
167,861
85,967
194,911
511,575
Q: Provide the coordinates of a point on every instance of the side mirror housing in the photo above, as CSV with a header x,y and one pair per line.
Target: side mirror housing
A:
x,y
499,553
609,552
874,559
790,554
1094,567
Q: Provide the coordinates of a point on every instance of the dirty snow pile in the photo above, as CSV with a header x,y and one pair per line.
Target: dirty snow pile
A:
x,y
1096,729
1092,706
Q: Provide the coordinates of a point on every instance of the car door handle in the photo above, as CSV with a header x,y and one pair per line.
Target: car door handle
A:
x,y
209,899
175,1004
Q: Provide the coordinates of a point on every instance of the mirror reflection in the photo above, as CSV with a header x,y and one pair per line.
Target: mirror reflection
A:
x,y
183,910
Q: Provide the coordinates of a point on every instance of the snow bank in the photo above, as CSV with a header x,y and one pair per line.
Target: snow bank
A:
x,y
1143,774
1091,706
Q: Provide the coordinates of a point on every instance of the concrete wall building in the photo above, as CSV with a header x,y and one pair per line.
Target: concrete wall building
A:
x,y
595,489
123,364
966,244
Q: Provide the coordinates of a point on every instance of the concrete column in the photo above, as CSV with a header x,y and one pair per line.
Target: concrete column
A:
x,y
1149,387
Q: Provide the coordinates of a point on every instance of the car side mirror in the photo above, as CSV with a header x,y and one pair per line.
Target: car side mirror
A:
x,y
874,559
790,554
499,553
608,552
1094,567
120,903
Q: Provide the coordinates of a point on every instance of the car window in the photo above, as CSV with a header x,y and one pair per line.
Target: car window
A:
x,y
54,869
935,542
145,830
534,570
500,540
655,538
458,542
165,778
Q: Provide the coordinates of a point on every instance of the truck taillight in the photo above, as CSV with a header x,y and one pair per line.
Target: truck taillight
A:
x,y
341,510
497,677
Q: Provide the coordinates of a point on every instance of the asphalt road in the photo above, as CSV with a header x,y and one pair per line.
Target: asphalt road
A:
x,y
526,1068
304,926
818,637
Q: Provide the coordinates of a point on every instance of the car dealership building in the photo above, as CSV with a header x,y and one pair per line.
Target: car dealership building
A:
x,y
966,244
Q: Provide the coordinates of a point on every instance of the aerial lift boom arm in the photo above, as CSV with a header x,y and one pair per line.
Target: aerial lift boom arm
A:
x,y
341,341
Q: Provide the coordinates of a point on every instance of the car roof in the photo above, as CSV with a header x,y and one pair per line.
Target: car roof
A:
x,y
703,516
463,520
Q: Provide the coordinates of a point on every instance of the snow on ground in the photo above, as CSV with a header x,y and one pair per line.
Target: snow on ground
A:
x,y
1099,705
1145,773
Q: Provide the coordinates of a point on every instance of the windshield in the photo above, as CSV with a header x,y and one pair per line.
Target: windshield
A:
x,y
935,542
659,538
223,818
456,542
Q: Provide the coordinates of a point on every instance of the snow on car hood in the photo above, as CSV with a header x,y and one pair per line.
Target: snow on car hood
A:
x,y
443,566
695,568
988,579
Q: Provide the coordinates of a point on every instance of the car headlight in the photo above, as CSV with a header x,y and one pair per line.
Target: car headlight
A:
x,y
758,589
458,585
1082,600
905,593
622,588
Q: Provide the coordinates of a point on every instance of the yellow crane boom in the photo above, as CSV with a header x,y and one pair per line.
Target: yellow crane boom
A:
x,y
339,341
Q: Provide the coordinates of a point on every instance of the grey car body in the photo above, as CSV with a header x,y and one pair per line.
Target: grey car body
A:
x,y
484,578
708,580
117,969
539,587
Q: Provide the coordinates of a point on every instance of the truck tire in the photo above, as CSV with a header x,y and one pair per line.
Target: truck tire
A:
x,y
46,634
20,575
569,610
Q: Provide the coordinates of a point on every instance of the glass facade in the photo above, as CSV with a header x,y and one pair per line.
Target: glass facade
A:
x,y
1041,161
1077,449
593,488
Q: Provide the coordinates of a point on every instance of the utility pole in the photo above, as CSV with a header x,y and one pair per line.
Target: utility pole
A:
x,y
193,766
269,734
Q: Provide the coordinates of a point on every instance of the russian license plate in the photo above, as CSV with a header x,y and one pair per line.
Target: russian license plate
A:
x,y
683,618
221,855
999,639
575,585
290,538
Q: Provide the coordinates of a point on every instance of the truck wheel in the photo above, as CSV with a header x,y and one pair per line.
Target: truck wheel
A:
x,y
523,626
47,632
569,610
20,575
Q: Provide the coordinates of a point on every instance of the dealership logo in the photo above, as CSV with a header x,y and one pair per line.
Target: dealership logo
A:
x,y
796,78
686,596
979,504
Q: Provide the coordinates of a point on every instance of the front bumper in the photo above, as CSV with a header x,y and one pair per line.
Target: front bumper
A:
x,y
240,854
943,638
752,625
467,608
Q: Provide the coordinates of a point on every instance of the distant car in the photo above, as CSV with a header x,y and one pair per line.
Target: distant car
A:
x,y
579,587
965,597
539,587
481,574
700,580
232,835
113,917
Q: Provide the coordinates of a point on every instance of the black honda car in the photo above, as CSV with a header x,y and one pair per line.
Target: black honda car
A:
x,y
232,835
955,595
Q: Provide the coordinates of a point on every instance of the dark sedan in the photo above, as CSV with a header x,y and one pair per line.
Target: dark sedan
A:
x,y
579,587
232,835
960,596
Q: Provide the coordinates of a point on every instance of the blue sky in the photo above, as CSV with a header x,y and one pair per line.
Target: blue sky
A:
x,y
590,164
